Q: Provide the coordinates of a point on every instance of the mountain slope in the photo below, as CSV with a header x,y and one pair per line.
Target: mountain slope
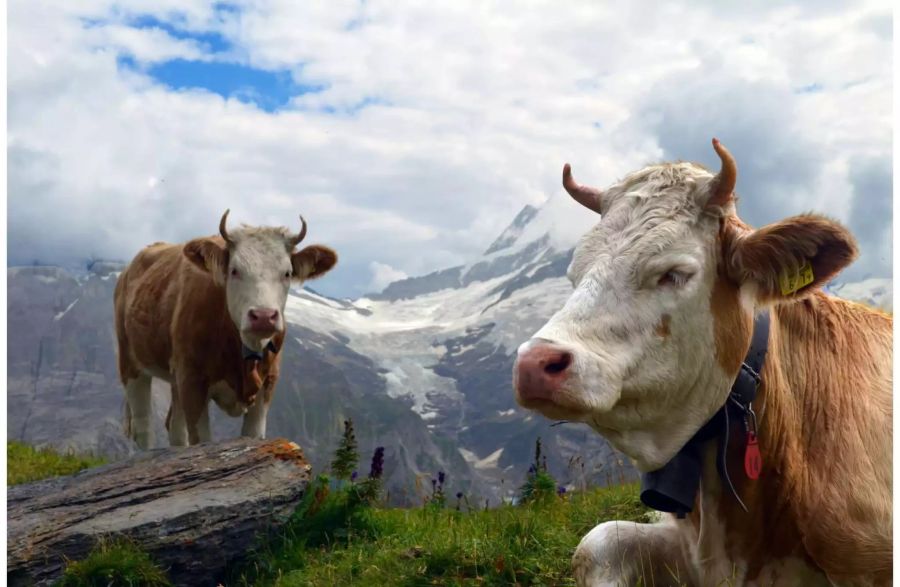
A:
x,y
424,367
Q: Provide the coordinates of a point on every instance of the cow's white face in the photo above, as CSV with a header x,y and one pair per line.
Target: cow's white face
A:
x,y
257,265
638,326
647,346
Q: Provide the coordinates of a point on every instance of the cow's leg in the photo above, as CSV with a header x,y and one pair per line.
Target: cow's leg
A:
x,y
139,410
193,398
203,425
254,424
627,553
175,423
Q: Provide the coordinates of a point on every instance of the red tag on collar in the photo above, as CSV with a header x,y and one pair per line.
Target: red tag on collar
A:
x,y
752,457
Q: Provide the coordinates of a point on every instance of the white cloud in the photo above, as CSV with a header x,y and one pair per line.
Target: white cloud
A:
x,y
382,275
476,110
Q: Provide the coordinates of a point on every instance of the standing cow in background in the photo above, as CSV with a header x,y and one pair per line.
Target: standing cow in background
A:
x,y
208,317
668,288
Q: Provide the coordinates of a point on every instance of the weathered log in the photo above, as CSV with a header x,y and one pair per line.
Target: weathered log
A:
x,y
195,510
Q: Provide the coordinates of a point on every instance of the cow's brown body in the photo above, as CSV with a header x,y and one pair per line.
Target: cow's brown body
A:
x,y
824,404
667,288
172,323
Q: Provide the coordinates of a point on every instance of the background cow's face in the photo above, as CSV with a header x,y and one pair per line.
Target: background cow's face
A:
x,y
646,348
257,266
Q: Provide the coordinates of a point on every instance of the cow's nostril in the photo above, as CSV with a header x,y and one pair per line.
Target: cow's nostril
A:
x,y
558,364
252,315
274,315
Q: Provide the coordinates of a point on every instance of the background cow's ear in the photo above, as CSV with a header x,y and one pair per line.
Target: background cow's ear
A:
x,y
791,258
313,261
208,255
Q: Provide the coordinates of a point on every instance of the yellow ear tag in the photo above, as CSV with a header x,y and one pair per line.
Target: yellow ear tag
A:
x,y
796,281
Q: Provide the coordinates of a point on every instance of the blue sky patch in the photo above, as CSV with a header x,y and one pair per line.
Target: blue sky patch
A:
x,y
213,41
810,89
269,90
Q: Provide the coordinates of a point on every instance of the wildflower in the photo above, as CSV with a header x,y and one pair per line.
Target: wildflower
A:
x,y
441,477
354,475
561,490
377,468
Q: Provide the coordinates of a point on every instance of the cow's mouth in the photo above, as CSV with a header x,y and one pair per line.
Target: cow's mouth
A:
x,y
554,409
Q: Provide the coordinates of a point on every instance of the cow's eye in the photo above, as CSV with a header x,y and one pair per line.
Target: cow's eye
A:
x,y
235,273
673,278
287,274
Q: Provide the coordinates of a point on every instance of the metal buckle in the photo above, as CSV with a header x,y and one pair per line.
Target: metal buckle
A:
x,y
751,373
750,423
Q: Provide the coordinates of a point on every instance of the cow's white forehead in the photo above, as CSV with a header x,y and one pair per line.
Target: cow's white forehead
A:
x,y
260,246
646,213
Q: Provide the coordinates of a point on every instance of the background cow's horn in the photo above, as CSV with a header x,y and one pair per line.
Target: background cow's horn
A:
x,y
222,230
296,239
726,179
585,195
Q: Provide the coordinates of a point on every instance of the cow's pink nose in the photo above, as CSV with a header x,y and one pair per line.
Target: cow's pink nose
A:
x,y
262,319
540,371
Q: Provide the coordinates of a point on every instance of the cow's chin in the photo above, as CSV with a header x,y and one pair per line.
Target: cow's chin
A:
x,y
256,340
553,410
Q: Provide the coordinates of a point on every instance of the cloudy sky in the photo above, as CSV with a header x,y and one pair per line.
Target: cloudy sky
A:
x,y
410,136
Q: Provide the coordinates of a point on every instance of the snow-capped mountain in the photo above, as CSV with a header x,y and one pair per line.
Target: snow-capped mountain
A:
x,y
424,367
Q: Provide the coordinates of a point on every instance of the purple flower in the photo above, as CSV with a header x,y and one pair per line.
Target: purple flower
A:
x,y
354,475
377,468
459,495
561,490
441,477
433,483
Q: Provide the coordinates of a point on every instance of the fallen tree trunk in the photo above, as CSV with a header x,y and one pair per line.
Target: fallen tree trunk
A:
x,y
195,510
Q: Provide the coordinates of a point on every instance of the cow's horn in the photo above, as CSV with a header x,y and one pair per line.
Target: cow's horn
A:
x,y
726,179
585,195
295,240
224,231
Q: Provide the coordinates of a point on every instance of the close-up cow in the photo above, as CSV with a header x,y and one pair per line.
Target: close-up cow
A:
x,y
207,316
668,289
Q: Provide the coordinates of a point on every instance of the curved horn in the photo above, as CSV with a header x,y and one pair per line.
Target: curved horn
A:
x,y
222,230
295,240
585,195
726,179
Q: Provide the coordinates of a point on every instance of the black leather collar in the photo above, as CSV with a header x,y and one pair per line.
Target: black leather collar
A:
x,y
673,487
248,353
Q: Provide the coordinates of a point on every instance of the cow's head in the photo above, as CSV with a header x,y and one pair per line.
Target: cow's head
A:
x,y
666,284
257,265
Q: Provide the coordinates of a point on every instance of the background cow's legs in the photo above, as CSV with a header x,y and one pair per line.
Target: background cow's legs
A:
x,y
627,553
254,424
193,398
140,410
175,420
203,424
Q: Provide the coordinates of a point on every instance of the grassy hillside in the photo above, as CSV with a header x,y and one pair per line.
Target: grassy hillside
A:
x,y
526,544
340,534
25,464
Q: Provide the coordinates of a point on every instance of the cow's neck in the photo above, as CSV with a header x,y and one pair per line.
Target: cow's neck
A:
x,y
806,414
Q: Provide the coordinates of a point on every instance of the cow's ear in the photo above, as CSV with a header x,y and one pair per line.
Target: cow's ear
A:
x,y
209,255
789,259
312,262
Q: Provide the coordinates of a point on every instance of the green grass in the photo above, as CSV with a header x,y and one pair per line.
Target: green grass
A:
x,y
118,563
333,539
25,464
524,545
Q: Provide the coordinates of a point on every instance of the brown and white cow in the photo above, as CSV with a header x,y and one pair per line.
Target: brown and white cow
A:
x,y
645,351
208,317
